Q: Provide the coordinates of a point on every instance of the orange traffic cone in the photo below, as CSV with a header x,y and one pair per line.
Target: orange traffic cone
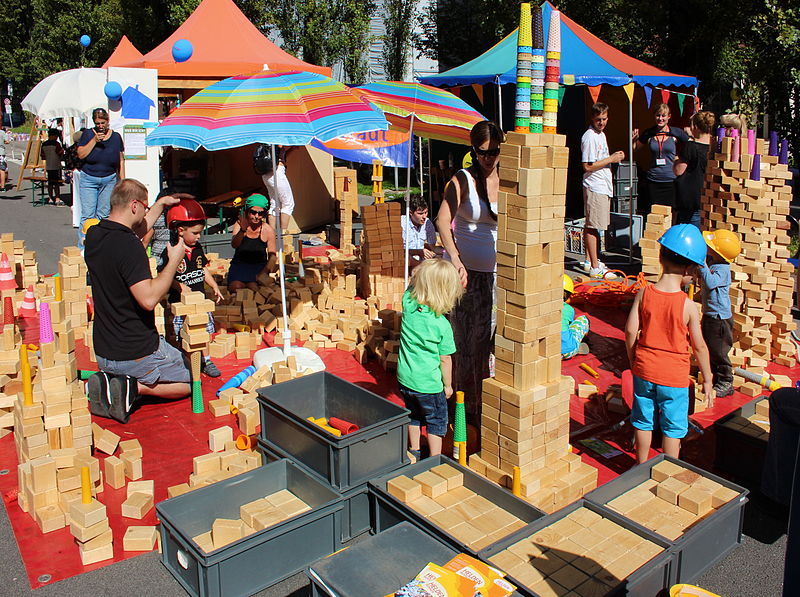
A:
x,y
7,281
28,306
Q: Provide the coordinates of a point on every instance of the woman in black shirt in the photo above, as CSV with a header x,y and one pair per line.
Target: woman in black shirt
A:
x,y
254,241
690,169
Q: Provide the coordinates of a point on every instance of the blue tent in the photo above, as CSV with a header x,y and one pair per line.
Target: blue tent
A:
x,y
585,59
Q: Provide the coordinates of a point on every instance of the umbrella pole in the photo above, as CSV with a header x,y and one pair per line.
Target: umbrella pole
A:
x,y
287,335
499,103
408,198
430,179
630,181
421,170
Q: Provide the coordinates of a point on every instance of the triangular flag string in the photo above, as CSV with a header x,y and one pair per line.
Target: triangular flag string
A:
x,y
665,95
680,104
478,89
648,94
594,91
561,90
629,91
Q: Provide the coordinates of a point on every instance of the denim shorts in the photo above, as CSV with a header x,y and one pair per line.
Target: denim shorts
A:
x,y
426,409
669,405
165,365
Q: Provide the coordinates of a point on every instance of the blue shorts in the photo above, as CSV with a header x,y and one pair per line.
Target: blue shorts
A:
x,y
165,365
669,405
426,409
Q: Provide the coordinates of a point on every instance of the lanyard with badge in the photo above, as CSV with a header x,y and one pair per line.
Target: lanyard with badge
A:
x,y
661,137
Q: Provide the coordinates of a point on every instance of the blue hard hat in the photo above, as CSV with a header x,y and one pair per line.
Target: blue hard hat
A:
x,y
687,241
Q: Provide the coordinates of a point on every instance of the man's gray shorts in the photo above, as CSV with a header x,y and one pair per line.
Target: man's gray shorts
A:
x,y
165,365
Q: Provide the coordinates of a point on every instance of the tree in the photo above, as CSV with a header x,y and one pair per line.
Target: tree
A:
x,y
398,22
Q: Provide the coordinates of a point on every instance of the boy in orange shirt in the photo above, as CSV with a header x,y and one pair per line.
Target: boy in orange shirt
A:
x,y
657,333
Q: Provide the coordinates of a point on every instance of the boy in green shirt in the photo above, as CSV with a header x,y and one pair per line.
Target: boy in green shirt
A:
x,y
424,367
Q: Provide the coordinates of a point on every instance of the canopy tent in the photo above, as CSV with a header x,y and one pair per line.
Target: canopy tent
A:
x,y
224,43
124,53
585,58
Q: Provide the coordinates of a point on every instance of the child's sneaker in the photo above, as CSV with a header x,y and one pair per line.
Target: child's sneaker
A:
x,y
723,389
209,368
602,273
583,348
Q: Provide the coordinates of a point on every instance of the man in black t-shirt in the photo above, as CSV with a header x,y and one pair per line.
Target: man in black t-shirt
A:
x,y
133,359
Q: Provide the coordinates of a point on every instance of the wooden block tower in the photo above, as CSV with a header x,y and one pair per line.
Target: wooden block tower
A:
x,y
659,220
382,254
525,418
751,197
346,190
194,308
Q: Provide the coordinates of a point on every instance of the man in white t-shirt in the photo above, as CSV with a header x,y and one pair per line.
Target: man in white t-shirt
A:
x,y
421,238
597,189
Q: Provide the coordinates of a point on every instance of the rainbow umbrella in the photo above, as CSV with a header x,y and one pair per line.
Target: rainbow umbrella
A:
x,y
423,111
426,111
283,108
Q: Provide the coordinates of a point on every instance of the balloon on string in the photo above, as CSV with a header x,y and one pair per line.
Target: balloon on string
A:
x,y
113,90
182,50
85,40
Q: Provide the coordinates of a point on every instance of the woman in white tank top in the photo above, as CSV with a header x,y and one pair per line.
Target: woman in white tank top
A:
x,y
467,225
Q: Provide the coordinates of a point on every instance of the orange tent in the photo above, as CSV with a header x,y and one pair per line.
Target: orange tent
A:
x,y
225,43
124,53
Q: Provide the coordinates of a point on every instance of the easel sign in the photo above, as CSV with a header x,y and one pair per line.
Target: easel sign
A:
x,y
133,135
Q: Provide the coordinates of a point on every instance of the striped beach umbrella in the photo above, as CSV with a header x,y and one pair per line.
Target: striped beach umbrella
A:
x,y
423,110
283,108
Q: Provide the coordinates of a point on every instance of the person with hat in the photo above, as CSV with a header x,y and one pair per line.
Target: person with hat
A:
x,y
573,329
134,360
660,325
186,221
717,323
254,244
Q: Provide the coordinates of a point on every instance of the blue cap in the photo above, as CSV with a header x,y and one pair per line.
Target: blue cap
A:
x,y
687,241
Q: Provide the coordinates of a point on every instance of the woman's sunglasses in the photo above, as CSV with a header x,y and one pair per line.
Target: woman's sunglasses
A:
x,y
491,153
257,212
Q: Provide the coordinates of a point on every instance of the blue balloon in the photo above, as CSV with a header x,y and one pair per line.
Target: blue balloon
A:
x,y
113,90
182,50
85,40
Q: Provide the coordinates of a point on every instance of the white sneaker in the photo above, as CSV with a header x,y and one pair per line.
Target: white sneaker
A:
x,y
587,265
602,273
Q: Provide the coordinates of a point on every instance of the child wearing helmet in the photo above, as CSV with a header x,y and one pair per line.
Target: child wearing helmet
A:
x,y
661,323
573,329
186,220
254,244
717,323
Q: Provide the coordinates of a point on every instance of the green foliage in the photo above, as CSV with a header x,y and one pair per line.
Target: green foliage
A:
x,y
398,22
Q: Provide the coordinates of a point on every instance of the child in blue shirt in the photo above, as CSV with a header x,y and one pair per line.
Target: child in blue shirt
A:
x,y
573,329
717,322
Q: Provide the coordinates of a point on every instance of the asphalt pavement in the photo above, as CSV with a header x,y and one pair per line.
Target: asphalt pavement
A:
x,y
753,570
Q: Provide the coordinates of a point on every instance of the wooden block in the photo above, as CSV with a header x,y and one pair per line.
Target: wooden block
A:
x,y
114,470
432,484
133,466
43,474
84,534
137,505
107,442
204,541
144,486
225,531
132,448
665,469
670,489
722,496
454,477
86,515
218,437
98,554
104,538
696,500
140,538
176,490
206,464
404,489
50,518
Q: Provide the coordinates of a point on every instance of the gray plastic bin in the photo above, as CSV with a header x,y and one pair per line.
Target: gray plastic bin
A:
x,y
356,513
257,561
703,544
379,446
739,454
649,580
388,511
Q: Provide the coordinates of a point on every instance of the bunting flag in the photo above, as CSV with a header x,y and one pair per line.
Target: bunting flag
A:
x,y
629,91
478,89
594,91
681,98
696,103
665,95
455,91
648,94
561,91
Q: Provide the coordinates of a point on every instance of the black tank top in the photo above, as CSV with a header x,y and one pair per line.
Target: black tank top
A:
x,y
252,250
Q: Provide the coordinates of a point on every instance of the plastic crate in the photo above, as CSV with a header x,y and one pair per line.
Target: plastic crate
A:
x,y
739,454
257,561
704,543
346,462
573,237
388,511
379,565
651,579
621,205
622,188
356,514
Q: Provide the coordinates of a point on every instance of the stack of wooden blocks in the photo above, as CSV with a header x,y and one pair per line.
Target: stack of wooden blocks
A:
x,y
88,523
659,220
672,500
194,307
525,418
72,270
254,517
761,294
382,254
440,496
582,553
23,263
756,425
346,191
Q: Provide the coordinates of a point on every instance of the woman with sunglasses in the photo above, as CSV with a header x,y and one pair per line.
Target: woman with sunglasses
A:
x,y
467,224
254,244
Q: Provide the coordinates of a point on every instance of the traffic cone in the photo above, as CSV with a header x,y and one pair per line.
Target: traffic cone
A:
x,y
7,281
460,429
8,311
28,306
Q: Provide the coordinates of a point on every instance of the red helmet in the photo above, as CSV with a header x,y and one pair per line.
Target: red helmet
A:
x,y
188,210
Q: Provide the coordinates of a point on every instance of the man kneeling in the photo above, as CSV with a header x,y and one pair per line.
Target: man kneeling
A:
x,y
134,361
